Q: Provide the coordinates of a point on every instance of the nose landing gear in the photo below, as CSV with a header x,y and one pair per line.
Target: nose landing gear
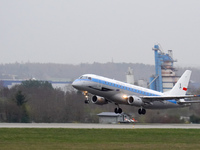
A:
x,y
87,97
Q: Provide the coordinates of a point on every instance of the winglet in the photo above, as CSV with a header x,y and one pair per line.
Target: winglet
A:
x,y
181,86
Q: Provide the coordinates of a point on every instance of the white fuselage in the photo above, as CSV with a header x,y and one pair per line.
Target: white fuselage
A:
x,y
117,91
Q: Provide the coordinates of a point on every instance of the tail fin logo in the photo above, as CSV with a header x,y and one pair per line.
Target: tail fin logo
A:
x,y
184,88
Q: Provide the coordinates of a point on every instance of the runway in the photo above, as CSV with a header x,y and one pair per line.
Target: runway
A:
x,y
99,126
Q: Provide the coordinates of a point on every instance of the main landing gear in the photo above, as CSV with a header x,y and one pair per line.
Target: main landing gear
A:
x,y
142,111
118,110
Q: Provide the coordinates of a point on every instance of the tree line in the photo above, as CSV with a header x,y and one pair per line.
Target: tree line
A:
x,y
37,101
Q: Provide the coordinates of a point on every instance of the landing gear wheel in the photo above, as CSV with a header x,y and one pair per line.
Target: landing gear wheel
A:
x,y
118,110
87,101
142,111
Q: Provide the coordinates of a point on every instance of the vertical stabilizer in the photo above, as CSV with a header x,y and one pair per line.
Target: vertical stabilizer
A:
x,y
181,86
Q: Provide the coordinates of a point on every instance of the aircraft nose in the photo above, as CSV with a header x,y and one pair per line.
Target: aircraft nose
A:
x,y
76,84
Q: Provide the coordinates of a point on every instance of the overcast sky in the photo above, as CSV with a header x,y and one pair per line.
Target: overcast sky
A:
x,y
87,31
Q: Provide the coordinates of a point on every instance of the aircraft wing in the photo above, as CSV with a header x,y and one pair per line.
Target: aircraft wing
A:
x,y
167,97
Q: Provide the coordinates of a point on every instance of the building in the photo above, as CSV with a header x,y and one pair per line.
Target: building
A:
x,y
142,83
111,117
130,76
165,76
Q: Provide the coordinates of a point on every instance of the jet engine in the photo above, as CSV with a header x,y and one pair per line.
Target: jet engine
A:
x,y
99,100
135,101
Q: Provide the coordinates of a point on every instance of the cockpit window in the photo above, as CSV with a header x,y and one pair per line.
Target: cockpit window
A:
x,y
83,77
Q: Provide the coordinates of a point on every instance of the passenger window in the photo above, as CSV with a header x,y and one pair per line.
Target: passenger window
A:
x,y
89,78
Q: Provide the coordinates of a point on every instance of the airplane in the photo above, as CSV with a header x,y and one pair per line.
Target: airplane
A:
x,y
103,90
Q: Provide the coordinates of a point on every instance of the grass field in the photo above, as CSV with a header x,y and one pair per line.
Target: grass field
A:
x,y
98,139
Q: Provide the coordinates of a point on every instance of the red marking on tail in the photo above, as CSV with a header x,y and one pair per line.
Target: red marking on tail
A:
x,y
184,88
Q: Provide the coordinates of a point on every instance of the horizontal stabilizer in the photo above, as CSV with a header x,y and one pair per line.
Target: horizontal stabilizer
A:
x,y
189,102
162,98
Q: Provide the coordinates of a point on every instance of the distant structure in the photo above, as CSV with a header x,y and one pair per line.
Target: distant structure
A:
x,y
165,76
131,80
111,117
130,76
142,83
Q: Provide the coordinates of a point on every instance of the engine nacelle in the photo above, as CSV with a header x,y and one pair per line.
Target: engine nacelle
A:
x,y
135,101
99,100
